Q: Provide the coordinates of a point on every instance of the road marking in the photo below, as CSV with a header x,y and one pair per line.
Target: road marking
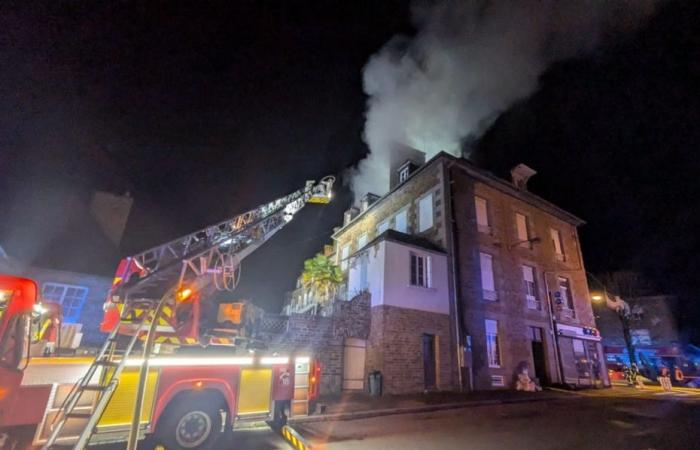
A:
x,y
294,438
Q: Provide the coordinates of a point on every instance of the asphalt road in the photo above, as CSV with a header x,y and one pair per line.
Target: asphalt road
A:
x,y
578,423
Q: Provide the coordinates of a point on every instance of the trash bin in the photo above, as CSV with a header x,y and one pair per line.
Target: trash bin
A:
x,y
375,383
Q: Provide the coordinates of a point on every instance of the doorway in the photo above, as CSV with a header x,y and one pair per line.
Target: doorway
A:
x,y
538,356
354,364
429,363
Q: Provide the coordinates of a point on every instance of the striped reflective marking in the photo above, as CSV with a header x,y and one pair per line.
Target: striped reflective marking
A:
x,y
294,438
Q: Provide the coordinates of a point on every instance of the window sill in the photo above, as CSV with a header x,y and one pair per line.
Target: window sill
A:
x,y
421,288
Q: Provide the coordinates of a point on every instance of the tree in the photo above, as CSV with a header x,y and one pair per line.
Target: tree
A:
x,y
321,277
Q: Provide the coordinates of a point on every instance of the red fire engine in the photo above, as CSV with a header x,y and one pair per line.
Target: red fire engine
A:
x,y
175,365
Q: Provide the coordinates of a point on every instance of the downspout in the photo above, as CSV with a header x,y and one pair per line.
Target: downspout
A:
x,y
450,235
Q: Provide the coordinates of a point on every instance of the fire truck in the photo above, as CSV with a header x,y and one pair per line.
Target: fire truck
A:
x,y
177,365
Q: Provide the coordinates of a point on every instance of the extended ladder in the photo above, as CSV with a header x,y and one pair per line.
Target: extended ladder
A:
x,y
100,380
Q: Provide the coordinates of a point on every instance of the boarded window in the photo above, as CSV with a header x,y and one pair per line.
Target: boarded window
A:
x,y
522,231
425,213
482,217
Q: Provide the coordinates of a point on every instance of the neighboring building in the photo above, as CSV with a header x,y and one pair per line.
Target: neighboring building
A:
x,y
73,267
460,266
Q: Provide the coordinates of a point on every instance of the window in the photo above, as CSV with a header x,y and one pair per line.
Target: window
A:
x,y
522,232
70,297
535,334
403,174
493,351
530,287
641,337
382,227
344,253
482,217
420,270
556,242
401,221
487,284
363,262
566,298
425,213
362,241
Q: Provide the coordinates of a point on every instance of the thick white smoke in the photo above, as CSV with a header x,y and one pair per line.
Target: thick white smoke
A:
x,y
468,62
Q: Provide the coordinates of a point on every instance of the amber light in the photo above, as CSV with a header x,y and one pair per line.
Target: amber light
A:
x,y
198,384
184,294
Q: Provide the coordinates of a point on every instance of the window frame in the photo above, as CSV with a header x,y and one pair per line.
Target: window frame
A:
x,y
493,345
557,243
383,226
523,241
487,294
431,201
404,173
343,258
420,267
360,238
71,313
566,292
528,285
403,212
482,227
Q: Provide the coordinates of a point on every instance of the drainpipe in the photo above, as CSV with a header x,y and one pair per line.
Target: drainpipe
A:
x,y
450,235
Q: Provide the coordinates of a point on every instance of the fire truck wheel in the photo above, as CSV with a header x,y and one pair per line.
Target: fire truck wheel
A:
x,y
193,422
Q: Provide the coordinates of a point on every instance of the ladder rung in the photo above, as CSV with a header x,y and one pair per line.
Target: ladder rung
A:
x,y
94,388
75,415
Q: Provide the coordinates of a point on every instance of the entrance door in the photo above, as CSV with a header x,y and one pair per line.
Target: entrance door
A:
x,y
429,362
538,356
354,364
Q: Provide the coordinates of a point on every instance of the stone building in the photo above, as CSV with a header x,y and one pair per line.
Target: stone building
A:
x,y
470,278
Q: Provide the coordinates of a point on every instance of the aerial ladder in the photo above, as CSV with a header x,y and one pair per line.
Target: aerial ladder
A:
x,y
160,294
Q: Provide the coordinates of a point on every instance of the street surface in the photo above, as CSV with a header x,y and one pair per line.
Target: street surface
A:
x,y
619,418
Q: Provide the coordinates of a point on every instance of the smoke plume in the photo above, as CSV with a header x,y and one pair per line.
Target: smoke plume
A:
x,y
467,63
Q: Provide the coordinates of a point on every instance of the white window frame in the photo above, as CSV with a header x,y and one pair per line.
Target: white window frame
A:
x,y
71,311
567,296
482,214
383,226
344,255
362,240
530,286
403,213
522,230
493,345
558,244
419,273
488,280
404,173
426,221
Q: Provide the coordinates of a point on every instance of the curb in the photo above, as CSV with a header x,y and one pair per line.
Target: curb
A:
x,y
412,410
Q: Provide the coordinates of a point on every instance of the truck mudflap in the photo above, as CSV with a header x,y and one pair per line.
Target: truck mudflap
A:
x,y
295,439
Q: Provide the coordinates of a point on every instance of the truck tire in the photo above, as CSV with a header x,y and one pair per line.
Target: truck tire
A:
x,y
192,422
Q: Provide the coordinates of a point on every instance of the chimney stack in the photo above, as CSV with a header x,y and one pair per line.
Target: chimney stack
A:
x,y
349,215
367,200
520,174
111,213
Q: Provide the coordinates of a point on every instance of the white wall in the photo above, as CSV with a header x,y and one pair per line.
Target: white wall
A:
x,y
389,278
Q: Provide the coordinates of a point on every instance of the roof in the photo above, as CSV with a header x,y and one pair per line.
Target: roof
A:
x,y
403,238
482,175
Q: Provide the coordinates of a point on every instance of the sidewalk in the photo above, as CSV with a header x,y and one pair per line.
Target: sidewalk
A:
x,y
360,406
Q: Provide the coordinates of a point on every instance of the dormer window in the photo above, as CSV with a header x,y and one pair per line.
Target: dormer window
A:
x,y
404,173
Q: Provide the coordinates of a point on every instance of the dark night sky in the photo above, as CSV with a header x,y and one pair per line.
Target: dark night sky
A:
x,y
204,109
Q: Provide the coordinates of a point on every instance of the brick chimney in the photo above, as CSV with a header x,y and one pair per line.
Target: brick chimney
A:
x,y
367,201
111,212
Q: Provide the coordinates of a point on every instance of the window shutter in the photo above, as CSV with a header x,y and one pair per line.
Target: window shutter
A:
x,y
482,218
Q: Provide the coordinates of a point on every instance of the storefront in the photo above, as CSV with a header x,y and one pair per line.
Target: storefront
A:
x,y
582,358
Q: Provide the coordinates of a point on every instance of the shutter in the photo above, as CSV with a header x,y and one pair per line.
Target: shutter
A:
x,y
528,274
482,217
521,223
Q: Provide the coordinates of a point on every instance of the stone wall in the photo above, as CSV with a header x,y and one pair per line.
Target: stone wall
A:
x,y
395,347
324,337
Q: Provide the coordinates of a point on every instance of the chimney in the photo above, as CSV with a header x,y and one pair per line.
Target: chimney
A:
x,y
349,215
367,200
111,213
520,174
